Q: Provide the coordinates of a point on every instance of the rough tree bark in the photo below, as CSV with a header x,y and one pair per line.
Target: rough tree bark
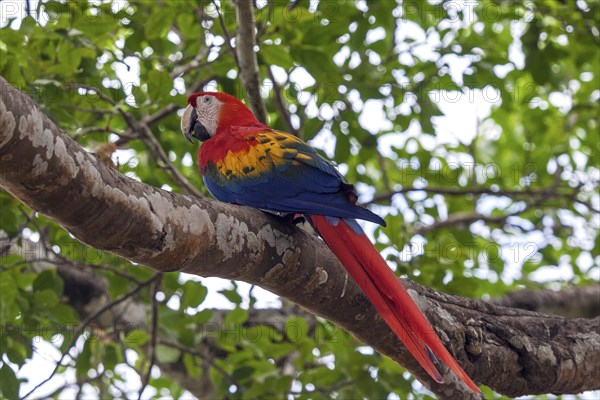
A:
x,y
515,352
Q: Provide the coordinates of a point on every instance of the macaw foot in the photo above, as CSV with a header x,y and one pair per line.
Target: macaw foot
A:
x,y
294,218
287,217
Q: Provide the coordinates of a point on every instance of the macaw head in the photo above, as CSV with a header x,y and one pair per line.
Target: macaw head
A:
x,y
211,113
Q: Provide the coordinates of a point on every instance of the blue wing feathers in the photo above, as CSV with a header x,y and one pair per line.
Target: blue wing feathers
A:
x,y
300,182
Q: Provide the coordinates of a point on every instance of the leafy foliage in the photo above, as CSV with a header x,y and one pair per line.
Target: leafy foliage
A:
x,y
512,203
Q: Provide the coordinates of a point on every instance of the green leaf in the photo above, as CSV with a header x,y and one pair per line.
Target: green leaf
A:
x,y
137,338
311,128
8,294
276,55
296,329
111,356
192,365
84,360
157,25
342,148
428,110
194,294
8,215
166,354
9,384
45,299
48,279
242,373
232,295
159,85
63,314
236,316
15,352
118,286
68,58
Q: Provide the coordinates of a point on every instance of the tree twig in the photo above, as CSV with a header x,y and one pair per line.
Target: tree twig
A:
x,y
156,149
248,62
203,355
195,62
281,106
544,193
227,35
463,219
153,336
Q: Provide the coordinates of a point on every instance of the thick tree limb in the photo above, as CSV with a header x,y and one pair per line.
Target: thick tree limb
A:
x,y
246,56
576,301
513,351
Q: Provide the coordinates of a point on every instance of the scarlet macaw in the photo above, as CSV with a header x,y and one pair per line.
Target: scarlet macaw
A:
x,y
243,161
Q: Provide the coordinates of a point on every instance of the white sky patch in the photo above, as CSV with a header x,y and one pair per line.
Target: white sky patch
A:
x,y
45,356
16,10
355,60
325,140
373,117
458,66
562,272
326,112
561,101
173,37
302,78
375,35
311,110
279,74
125,156
129,74
341,56
214,299
515,50
389,141
179,85
463,112
187,160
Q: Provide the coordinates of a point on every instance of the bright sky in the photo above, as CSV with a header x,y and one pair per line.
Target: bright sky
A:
x,y
463,114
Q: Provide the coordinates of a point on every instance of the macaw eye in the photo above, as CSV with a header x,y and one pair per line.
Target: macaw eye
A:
x,y
206,99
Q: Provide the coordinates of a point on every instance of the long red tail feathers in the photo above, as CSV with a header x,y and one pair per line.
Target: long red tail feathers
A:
x,y
369,270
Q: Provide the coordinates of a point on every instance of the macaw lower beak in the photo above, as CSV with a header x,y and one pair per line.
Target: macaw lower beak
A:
x,y
191,127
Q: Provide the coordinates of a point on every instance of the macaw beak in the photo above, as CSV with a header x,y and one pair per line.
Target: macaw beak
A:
x,y
191,127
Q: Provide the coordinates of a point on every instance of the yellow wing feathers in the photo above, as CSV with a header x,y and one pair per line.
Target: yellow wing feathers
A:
x,y
265,151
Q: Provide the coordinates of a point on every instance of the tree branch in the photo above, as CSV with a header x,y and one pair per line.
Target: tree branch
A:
x,y
460,219
227,35
575,301
552,192
513,351
246,57
153,337
281,106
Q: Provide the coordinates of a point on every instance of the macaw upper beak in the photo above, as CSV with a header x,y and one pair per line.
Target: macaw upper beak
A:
x,y
191,127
